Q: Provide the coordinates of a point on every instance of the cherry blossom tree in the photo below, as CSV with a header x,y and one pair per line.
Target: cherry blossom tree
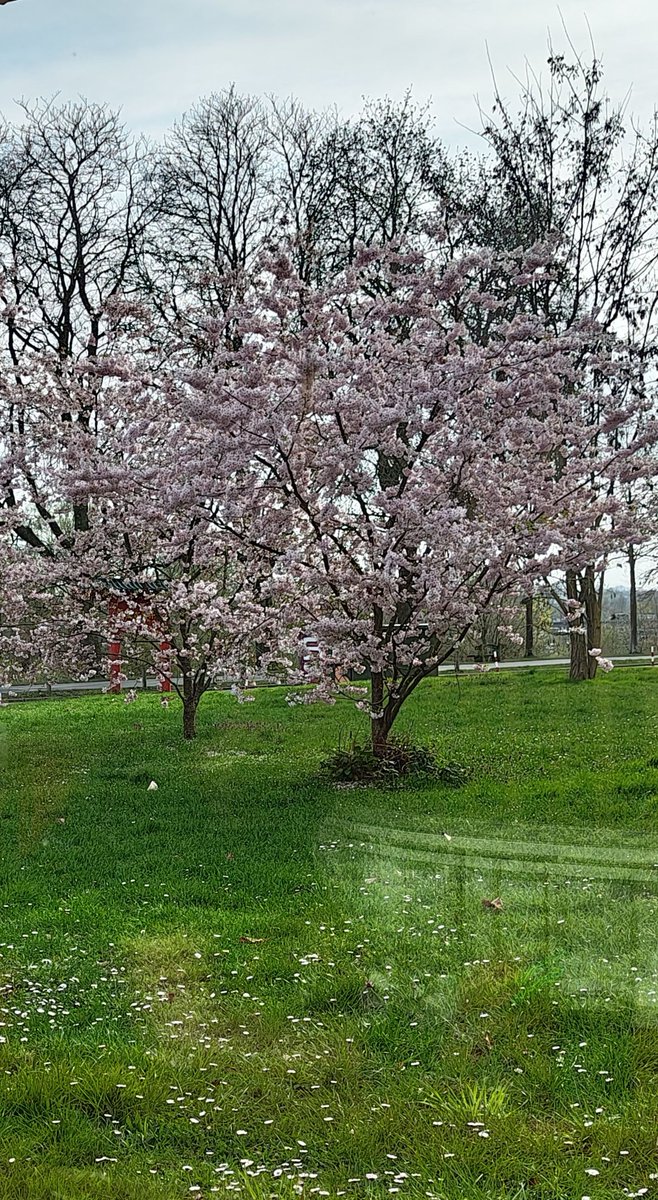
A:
x,y
402,475
151,568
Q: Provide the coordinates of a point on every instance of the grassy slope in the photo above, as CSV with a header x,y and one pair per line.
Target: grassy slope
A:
x,y
148,1050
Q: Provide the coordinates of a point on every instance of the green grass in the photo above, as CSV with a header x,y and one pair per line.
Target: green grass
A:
x,y
385,1031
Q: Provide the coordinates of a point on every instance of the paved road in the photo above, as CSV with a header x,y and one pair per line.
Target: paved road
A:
x,y
100,685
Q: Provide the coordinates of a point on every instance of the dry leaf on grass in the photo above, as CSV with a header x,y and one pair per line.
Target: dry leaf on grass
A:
x,y
496,904
252,941
483,1047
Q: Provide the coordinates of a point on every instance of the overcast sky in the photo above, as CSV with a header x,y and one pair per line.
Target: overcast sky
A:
x,y
153,58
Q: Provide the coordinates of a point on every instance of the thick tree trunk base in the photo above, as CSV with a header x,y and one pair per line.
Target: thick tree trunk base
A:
x,y
189,721
634,643
582,665
529,638
581,586
379,745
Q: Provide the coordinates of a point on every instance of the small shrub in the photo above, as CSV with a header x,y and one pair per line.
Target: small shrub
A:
x,y
404,759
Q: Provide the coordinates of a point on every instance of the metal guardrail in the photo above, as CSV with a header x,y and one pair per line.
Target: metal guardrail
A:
x,y
41,691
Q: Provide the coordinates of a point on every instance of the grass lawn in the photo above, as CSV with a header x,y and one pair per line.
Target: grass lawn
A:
x,y
251,982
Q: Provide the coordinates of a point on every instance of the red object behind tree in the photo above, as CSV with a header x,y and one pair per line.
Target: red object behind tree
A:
x,y
117,607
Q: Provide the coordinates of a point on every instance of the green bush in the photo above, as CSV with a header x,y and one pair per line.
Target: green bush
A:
x,y
357,763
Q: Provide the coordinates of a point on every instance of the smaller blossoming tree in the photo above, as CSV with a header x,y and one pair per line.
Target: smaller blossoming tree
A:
x,y
147,567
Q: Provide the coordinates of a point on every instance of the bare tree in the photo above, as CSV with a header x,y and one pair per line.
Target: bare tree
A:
x,y
73,213
209,184
338,184
388,163
304,182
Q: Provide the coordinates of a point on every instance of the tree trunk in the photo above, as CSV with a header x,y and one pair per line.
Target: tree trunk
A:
x,y
634,641
190,705
579,659
581,586
380,725
189,719
529,640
